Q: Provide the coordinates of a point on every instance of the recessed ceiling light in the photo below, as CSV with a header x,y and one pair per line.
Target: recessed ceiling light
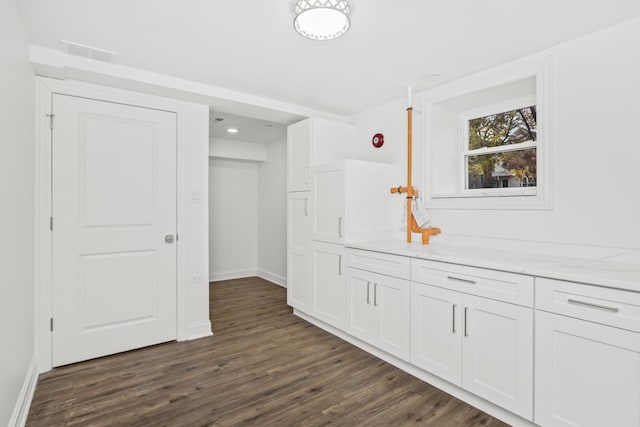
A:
x,y
232,130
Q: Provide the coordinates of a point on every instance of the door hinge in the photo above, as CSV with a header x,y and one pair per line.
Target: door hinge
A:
x,y
176,237
51,324
51,223
51,117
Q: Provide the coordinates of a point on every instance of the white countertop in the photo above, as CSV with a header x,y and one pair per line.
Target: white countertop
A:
x,y
601,271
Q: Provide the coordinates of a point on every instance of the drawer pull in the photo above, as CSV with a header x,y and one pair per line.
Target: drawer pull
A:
x,y
592,305
368,299
453,318
466,314
375,294
460,279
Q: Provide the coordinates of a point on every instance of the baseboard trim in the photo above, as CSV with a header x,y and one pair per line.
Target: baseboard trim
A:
x,y
452,389
272,277
200,330
230,275
21,410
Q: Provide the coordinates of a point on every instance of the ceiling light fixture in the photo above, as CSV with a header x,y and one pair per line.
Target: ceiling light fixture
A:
x,y
322,19
232,130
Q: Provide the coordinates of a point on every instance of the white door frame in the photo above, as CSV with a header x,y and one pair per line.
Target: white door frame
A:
x,y
45,88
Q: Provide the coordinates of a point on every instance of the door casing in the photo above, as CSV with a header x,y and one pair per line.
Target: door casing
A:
x,y
45,88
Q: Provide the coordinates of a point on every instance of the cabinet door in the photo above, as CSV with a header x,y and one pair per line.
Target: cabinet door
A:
x,y
328,283
299,140
436,331
359,304
587,375
392,315
497,353
299,268
328,189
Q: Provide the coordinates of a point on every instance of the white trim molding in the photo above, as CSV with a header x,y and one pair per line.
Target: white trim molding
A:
x,y
192,224
21,409
272,277
231,274
454,197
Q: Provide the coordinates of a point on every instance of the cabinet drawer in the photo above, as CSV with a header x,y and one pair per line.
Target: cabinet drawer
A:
x,y
612,307
498,285
377,262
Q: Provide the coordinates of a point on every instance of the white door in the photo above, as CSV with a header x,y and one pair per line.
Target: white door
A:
x,y
392,315
300,280
114,201
436,331
497,353
587,375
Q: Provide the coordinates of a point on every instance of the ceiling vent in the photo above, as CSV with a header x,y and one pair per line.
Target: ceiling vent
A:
x,y
90,52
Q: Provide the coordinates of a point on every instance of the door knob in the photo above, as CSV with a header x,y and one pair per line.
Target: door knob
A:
x,y
169,238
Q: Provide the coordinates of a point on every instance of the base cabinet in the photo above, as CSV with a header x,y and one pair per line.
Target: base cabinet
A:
x,y
587,375
497,353
482,345
378,311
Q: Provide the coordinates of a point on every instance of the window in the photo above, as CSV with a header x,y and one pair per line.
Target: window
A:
x,y
500,149
488,140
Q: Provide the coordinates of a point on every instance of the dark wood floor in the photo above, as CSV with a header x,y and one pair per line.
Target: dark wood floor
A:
x,y
263,366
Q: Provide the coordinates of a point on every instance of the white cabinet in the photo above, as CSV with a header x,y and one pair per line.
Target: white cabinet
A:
x,y
328,283
587,373
436,331
378,311
313,141
299,263
351,197
497,353
483,345
328,202
299,149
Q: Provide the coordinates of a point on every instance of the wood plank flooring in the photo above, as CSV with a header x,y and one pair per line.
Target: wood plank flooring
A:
x,y
263,366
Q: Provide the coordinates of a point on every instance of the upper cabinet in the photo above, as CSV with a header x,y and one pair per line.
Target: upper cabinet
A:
x,y
351,197
313,141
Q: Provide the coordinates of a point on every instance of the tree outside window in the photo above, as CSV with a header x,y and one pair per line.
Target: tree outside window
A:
x,y
501,150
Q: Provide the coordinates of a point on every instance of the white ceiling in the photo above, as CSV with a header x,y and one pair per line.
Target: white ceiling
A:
x,y
250,46
249,129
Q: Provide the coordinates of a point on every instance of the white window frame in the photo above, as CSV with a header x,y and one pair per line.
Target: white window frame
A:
x,y
465,152
531,198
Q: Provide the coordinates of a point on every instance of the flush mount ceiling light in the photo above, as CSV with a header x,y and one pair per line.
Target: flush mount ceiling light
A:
x,y
322,19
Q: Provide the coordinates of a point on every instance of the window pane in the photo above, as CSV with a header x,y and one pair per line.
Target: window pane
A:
x,y
500,170
510,127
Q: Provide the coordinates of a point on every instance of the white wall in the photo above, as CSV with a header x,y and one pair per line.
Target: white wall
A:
x,y
238,150
233,218
272,214
17,214
594,142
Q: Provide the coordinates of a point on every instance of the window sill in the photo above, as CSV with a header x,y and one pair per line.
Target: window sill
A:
x,y
518,199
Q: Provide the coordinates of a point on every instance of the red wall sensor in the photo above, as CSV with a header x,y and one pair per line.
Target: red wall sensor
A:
x,y
377,140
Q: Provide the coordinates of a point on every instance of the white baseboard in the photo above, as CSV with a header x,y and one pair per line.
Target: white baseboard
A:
x,y
272,277
232,274
21,410
200,330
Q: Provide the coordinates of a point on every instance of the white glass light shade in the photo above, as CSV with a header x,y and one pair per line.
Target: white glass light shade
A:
x,y
322,19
